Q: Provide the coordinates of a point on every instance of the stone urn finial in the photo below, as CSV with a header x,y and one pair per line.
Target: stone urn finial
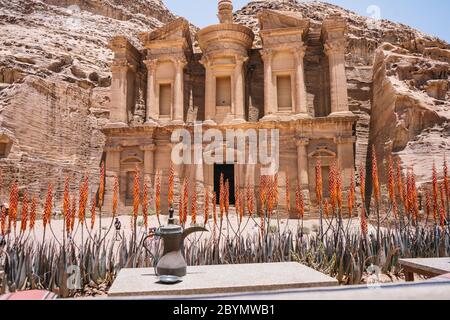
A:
x,y
225,11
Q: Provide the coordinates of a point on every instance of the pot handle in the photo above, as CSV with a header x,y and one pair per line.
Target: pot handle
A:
x,y
151,235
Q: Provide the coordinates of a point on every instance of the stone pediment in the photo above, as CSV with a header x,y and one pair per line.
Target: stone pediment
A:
x,y
276,19
175,30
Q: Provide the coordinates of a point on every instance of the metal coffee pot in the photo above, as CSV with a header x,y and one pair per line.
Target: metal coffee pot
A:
x,y
172,262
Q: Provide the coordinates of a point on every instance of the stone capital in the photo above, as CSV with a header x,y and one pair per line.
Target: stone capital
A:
x,y
336,46
151,64
266,55
301,141
180,62
240,60
148,147
299,50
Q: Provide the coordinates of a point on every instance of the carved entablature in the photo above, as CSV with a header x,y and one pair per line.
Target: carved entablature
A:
x,y
344,140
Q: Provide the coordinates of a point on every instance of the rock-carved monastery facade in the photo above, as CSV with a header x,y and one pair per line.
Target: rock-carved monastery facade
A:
x,y
295,83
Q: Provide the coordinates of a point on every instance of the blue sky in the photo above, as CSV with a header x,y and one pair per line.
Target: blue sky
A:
x,y
430,16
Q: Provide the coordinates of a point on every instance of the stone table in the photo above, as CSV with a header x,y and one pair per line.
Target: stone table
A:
x,y
431,267
221,279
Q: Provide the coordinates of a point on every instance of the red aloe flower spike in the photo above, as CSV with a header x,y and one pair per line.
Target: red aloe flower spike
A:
x,y
351,195
48,206
73,213
446,182
319,182
93,207
326,208
24,218
287,195
222,197
391,180
66,204
3,221
194,208
84,189
136,194
435,193
214,203
227,196
206,209
442,211
33,212
185,201
363,218
13,205
101,189
332,186
145,204
362,183
376,184
115,196
171,185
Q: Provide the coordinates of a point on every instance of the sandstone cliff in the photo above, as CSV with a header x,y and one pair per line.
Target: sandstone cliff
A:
x,y
410,109
54,84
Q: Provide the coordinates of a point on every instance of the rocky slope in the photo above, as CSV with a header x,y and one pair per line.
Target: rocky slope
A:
x,y
54,83
410,85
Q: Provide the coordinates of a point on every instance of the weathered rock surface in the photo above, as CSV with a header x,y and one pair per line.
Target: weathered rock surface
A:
x,y
54,84
411,109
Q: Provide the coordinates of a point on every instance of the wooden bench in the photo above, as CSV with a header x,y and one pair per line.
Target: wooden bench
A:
x,y
430,267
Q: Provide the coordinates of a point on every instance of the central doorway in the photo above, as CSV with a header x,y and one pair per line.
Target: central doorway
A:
x,y
228,174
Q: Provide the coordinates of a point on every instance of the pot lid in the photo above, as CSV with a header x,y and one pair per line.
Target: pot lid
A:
x,y
170,229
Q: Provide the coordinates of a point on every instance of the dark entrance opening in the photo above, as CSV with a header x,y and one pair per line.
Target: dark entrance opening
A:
x,y
228,174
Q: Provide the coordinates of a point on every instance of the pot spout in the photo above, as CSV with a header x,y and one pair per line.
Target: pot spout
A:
x,y
192,230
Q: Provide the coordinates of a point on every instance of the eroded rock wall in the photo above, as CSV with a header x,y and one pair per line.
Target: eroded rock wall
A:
x,y
410,109
55,85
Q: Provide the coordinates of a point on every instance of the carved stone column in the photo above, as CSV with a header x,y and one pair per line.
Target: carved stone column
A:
x,y
345,155
301,102
178,113
239,91
302,162
152,110
269,106
120,103
335,50
149,160
209,92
